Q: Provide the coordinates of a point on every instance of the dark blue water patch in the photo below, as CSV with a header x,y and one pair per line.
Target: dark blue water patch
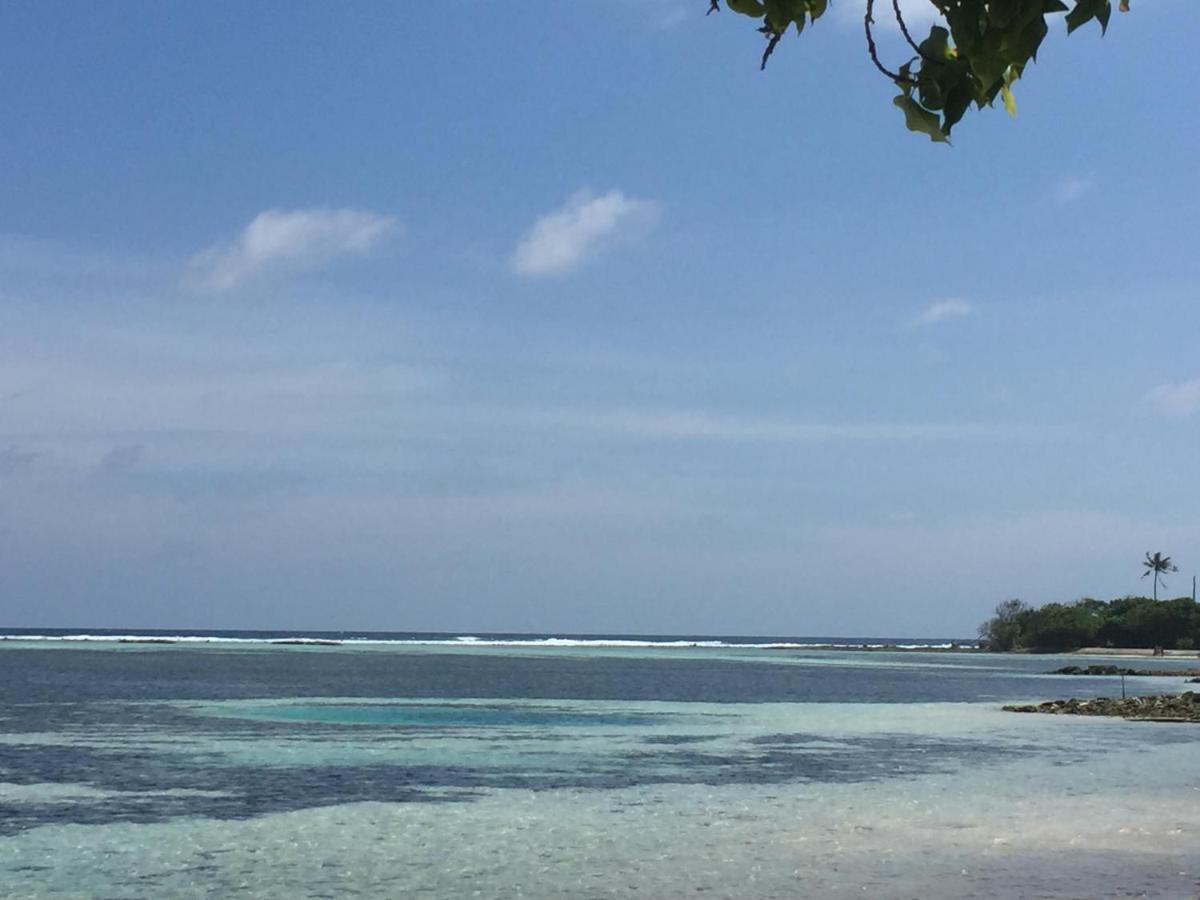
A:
x,y
672,739
152,787
796,738
459,715
36,674
268,795
225,791
799,758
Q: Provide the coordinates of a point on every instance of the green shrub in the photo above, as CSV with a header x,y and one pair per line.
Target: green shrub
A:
x,y
1123,622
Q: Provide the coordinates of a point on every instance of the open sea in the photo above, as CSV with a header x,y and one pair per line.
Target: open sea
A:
x,y
331,765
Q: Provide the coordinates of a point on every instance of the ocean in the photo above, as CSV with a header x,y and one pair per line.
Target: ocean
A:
x,y
329,765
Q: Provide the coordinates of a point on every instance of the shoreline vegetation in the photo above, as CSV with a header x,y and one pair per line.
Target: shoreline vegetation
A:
x,y
1121,626
1132,627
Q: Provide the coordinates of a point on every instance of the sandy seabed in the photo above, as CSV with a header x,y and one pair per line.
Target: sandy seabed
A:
x,y
1092,810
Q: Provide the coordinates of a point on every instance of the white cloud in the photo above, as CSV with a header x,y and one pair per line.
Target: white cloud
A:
x,y
562,240
279,241
1176,399
918,15
941,310
1071,189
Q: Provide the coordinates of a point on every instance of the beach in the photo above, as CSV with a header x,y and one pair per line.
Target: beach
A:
x,y
1137,652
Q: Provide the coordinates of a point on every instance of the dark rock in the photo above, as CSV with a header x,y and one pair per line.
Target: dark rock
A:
x,y
1093,670
1183,707
1119,670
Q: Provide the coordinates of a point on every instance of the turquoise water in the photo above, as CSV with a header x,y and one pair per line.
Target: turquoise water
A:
x,y
316,771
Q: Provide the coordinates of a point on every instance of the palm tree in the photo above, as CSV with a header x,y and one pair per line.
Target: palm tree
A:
x,y
1158,564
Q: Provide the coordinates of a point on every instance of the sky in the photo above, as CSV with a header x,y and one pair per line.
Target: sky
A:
x,y
564,317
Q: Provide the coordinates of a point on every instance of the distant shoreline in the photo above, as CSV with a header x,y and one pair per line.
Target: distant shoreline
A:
x,y
187,637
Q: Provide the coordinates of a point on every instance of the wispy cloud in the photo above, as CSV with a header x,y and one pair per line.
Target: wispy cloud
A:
x,y
33,262
1176,398
1071,189
941,310
916,13
281,241
120,459
13,460
561,241
663,15
670,17
668,14
705,426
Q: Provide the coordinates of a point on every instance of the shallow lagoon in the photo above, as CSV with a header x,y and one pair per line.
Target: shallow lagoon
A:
x,y
383,770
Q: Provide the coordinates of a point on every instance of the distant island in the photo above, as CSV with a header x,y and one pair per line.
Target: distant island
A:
x,y
1126,622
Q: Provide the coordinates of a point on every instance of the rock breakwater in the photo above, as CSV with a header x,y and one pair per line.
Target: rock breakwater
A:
x,y
1183,707
1121,670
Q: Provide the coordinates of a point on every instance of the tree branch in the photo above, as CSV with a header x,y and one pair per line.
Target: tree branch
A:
x,y
773,38
868,21
904,28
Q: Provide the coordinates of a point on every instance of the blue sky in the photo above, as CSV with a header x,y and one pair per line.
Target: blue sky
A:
x,y
564,317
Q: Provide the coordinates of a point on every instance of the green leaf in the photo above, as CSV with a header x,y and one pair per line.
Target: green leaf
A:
x,y
1086,10
1001,14
919,119
782,13
747,7
989,69
1024,46
1010,102
958,100
937,45
930,92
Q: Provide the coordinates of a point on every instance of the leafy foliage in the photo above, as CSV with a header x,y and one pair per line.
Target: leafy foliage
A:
x,y
977,55
1124,622
1002,632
